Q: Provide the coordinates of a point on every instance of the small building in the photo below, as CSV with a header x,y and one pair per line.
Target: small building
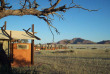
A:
x,y
20,54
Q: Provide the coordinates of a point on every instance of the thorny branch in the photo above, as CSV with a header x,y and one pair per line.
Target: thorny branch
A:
x,y
4,5
49,25
29,7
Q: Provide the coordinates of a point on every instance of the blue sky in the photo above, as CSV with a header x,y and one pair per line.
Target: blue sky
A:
x,y
94,26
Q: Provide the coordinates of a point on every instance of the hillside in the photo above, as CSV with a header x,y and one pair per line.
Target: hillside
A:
x,y
81,41
76,41
104,42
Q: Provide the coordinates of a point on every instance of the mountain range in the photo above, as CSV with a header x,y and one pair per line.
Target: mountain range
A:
x,y
81,41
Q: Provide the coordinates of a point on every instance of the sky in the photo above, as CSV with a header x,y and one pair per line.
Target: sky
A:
x,y
77,23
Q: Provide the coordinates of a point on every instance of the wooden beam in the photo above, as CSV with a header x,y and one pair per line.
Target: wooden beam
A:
x,y
31,34
28,29
35,32
32,46
10,48
6,33
5,25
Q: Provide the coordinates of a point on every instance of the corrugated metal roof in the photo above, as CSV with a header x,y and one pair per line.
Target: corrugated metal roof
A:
x,y
15,35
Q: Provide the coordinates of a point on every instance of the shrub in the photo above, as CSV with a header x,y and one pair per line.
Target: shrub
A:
x,y
107,50
71,50
93,48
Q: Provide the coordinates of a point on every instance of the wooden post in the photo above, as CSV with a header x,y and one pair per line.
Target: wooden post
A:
x,y
55,46
48,47
51,47
45,47
10,48
32,47
40,46
5,25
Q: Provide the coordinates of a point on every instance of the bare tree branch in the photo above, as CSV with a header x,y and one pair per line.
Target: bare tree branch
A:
x,y
60,16
53,6
4,5
46,20
35,4
25,3
51,33
30,8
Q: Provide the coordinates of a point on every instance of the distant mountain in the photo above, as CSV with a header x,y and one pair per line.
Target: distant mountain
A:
x,y
76,41
81,41
62,41
104,42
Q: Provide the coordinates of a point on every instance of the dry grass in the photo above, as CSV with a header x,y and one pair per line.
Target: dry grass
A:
x,y
80,61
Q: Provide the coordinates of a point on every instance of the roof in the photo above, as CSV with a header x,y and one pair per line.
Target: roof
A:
x,y
15,35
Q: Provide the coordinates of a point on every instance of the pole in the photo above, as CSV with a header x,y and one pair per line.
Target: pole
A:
x,y
5,25
10,48
32,47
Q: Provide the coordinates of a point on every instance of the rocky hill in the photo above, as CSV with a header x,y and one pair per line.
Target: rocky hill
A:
x,y
81,41
76,41
104,42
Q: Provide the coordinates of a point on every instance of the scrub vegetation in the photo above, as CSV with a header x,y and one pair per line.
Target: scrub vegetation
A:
x,y
69,61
